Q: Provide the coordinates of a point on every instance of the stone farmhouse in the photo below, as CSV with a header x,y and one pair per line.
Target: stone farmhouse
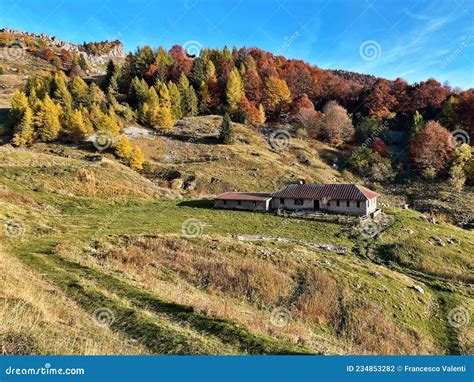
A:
x,y
347,199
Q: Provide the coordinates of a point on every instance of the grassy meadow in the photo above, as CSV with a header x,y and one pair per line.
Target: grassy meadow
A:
x,y
97,259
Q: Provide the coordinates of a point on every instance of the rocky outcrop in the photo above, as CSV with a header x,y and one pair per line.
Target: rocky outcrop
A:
x,y
97,54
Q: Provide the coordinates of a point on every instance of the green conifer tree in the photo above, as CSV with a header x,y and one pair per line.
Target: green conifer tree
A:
x,y
227,130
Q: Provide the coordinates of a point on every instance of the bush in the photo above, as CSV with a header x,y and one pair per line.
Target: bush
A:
x,y
301,133
370,164
428,173
370,127
176,184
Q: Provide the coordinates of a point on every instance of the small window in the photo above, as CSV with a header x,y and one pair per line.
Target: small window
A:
x,y
282,201
329,204
225,202
348,203
239,202
358,204
298,202
337,203
255,204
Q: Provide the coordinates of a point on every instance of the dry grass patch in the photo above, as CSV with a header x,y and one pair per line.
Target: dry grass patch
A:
x,y
36,318
215,270
319,301
369,327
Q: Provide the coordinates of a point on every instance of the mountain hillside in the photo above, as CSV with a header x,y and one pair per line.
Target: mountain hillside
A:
x,y
98,237
111,244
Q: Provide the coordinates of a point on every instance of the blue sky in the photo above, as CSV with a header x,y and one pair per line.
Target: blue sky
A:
x,y
414,39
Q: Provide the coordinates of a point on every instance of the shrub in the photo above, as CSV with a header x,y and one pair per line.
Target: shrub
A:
x,y
370,164
369,128
378,145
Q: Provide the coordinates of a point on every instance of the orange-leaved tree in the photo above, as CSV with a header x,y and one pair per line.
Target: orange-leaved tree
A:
x,y
432,148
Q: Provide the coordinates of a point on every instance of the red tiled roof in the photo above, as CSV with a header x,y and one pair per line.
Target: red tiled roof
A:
x,y
368,193
325,191
252,196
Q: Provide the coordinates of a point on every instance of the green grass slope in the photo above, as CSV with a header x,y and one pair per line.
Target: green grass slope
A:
x,y
81,238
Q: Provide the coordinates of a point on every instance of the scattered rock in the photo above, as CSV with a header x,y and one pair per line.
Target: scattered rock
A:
x,y
407,230
190,183
375,274
93,158
437,241
328,247
418,288
453,240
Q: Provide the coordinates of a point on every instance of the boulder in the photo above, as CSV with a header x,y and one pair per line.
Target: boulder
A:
x,y
418,288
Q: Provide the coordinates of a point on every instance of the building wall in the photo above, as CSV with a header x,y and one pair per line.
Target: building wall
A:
x,y
289,204
352,209
372,206
243,205
366,207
